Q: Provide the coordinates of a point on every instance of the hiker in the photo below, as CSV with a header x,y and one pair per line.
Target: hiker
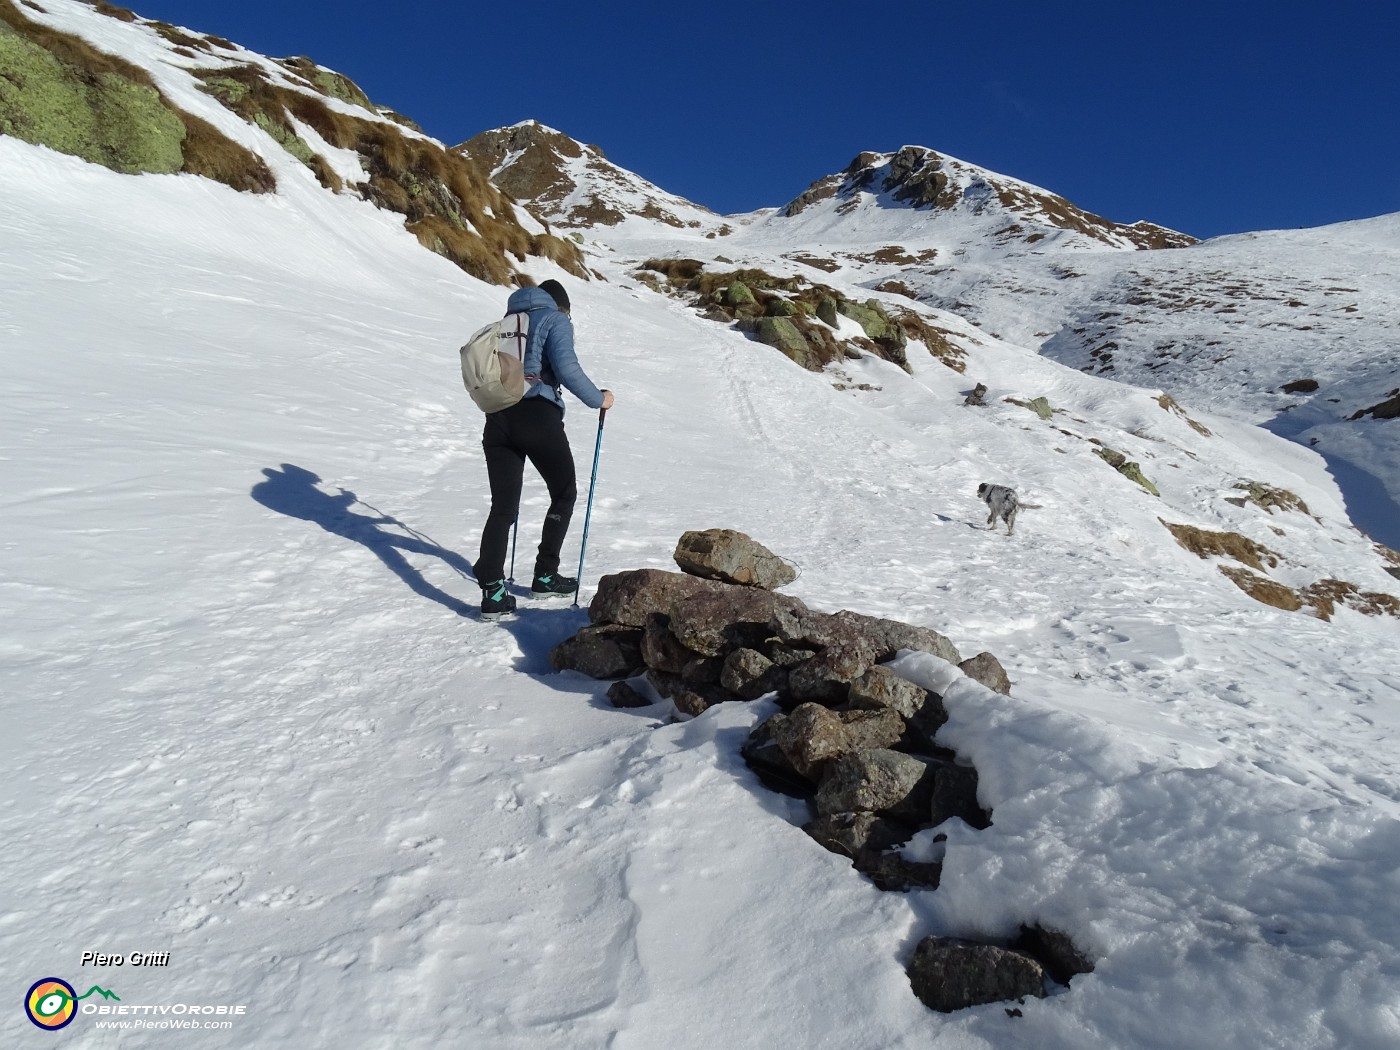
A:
x,y
533,429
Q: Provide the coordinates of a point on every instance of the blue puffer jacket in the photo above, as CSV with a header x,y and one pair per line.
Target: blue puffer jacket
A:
x,y
549,353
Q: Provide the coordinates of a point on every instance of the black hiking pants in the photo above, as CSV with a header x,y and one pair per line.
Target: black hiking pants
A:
x,y
531,429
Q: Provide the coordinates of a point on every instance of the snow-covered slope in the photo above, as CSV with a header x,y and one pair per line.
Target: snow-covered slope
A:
x,y
1293,329
251,721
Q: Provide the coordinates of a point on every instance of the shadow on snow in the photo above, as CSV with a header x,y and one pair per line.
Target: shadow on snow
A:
x,y
293,491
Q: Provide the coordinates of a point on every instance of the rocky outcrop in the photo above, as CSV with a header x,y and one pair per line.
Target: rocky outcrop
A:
x,y
60,91
742,635
924,180
574,185
1387,409
1130,470
799,318
852,737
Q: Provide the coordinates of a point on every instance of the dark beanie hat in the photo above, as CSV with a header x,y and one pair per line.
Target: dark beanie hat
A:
x,y
557,293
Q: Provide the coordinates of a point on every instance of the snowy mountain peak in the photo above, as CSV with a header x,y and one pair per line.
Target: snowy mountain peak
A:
x,y
918,178
575,185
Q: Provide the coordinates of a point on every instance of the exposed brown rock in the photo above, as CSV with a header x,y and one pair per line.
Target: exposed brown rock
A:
x,y
630,597
880,688
949,974
987,669
877,780
733,557
604,651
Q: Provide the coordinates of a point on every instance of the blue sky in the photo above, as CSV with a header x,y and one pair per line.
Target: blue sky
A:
x,y
1209,118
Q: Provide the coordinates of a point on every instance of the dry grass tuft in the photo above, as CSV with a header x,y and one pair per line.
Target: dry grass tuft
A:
x,y
72,50
180,38
1263,589
678,271
1326,595
897,288
210,153
112,10
1206,544
1169,403
446,200
1271,498
915,327
325,174
468,251
206,150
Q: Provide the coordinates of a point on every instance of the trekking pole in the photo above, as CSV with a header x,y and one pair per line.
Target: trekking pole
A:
x,y
514,532
583,546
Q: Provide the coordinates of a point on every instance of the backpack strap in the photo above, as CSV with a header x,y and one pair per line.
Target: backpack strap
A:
x,y
521,335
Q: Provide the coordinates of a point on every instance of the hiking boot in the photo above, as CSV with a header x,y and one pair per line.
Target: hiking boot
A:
x,y
496,601
553,586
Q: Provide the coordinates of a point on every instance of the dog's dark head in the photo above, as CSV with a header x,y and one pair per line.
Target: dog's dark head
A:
x,y
982,490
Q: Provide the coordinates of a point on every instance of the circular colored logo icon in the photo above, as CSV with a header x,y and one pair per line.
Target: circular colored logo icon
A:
x,y
51,1003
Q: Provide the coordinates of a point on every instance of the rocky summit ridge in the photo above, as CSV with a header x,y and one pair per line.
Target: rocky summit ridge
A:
x,y
922,179
574,185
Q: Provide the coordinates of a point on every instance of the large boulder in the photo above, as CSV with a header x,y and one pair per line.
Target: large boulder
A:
x,y
690,697
630,597
987,669
826,678
724,554
749,674
624,694
1059,955
878,780
877,324
881,638
949,974
660,648
763,755
784,336
712,622
104,115
880,689
812,735
603,651
891,870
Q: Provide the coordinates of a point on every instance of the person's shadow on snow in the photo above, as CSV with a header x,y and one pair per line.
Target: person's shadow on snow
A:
x,y
293,491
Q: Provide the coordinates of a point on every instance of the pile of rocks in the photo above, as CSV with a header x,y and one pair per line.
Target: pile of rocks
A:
x,y
852,736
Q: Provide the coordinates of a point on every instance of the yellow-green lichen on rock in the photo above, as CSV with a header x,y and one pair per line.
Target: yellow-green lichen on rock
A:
x,y
101,116
783,335
292,143
1130,470
328,82
58,90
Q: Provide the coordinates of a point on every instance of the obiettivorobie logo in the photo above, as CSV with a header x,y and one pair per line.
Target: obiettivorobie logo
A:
x,y
52,1003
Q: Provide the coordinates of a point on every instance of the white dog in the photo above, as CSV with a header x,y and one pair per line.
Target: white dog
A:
x,y
1003,503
